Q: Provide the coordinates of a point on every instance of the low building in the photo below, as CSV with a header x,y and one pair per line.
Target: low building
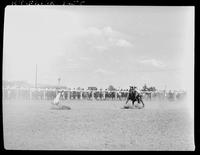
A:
x,y
92,88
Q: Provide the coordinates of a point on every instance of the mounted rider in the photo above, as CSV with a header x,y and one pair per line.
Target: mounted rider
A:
x,y
137,91
131,94
134,95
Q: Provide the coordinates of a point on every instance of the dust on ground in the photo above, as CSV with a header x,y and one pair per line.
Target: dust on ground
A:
x,y
97,125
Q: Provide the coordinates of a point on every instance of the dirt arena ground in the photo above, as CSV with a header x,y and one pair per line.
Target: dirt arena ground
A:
x,y
97,125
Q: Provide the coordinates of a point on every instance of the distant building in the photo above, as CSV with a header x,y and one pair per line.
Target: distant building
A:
x,y
92,88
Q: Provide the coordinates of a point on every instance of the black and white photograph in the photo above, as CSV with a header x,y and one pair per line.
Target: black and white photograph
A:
x,y
98,78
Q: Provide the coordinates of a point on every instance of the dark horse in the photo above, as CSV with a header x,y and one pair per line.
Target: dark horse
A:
x,y
133,95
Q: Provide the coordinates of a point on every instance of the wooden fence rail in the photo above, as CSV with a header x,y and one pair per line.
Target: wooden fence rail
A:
x,y
50,94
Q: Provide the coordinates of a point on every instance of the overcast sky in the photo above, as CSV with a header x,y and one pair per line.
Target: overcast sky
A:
x,y
99,45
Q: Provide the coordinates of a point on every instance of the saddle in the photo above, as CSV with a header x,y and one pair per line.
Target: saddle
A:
x,y
134,95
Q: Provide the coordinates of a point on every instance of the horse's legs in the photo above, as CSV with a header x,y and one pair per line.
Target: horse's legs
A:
x,y
142,102
127,101
138,100
133,102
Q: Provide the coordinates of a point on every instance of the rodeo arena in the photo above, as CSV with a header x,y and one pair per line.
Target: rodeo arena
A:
x,y
95,119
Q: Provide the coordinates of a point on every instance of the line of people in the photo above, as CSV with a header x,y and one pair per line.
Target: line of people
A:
x,y
44,94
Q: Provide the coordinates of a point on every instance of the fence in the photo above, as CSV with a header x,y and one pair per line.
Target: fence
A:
x,y
50,94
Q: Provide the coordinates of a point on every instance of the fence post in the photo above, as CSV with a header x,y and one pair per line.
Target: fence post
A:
x,y
151,96
68,95
81,95
165,95
44,93
92,95
17,94
30,94
64,95
174,94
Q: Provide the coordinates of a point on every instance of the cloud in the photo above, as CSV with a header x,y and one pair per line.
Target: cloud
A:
x,y
108,31
85,58
100,31
93,31
123,43
153,62
101,48
103,71
119,42
72,65
105,38
115,60
70,60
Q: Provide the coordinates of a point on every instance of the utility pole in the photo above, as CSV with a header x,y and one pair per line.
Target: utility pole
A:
x,y
59,82
36,77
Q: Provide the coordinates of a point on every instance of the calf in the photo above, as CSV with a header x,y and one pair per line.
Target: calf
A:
x,y
56,101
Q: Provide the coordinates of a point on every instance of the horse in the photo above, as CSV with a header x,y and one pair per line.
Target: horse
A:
x,y
133,95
